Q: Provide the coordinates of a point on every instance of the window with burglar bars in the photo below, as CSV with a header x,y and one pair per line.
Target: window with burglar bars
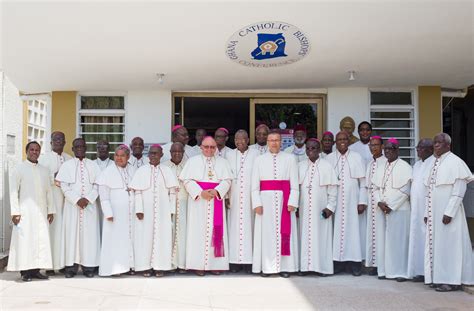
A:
x,y
102,118
37,120
392,114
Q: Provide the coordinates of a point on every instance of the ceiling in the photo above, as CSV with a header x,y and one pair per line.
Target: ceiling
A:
x,y
122,45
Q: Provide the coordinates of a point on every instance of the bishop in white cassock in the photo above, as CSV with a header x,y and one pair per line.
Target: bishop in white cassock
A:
x,y
32,211
207,179
275,193
221,136
448,248
261,134
176,164
318,195
392,182
178,134
118,207
351,204
418,193
137,159
375,216
53,160
81,236
155,199
241,214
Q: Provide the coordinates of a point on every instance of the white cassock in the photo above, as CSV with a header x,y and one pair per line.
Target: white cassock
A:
x,y
299,153
241,214
32,199
137,163
351,191
53,161
81,231
103,164
448,248
200,251
418,193
375,217
267,251
223,152
155,188
364,151
318,191
261,149
117,201
179,218
189,152
392,185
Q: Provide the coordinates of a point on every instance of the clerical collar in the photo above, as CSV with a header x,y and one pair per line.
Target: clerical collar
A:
x,y
34,163
444,155
244,150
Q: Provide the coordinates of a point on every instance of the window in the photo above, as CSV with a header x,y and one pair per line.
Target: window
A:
x,y
102,118
36,123
392,114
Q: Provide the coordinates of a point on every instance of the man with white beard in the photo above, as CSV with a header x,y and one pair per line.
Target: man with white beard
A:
x,y
81,244
240,214
448,248
298,149
275,194
118,206
53,160
318,195
416,248
207,179
155,203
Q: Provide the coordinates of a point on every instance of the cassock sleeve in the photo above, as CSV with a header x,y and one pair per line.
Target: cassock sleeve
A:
x,y
398,198
223,187
256,199
104,192
455,200
49,198
69,193
332,197
138,201
362,191
15,182
294,183
193,189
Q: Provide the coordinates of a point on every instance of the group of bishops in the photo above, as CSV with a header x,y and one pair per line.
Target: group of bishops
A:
x,y
311,208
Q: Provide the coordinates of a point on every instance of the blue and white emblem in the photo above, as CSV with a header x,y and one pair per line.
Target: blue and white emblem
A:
x,y
269,46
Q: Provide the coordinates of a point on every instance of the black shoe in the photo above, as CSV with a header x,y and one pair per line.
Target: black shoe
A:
x,y
419,278
88,274
356,268
50,272
234,270
264,275
372,271
69,274
301,273
62,270
401,279
433,285
381,278
26,278
284,275
40,276
446,288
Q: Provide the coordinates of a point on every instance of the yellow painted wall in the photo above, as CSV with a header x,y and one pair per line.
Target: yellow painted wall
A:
x,y
64,118
429,111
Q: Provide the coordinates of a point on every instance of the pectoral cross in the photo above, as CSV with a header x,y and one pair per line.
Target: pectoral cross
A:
x,y
210,174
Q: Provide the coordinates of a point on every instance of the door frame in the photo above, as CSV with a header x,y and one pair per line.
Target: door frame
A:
x,y
319,99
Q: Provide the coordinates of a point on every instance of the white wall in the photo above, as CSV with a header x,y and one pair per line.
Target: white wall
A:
x,y
342,102
148,115
10,124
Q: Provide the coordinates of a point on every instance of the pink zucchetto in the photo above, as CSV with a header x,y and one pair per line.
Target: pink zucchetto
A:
x,y
314,139
223,129
393,141
176,127
328,133
155,145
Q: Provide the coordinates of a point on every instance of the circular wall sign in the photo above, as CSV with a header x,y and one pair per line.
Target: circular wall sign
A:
x,y
267,44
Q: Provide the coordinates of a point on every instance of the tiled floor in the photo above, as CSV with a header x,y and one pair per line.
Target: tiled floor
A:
x,y
231,291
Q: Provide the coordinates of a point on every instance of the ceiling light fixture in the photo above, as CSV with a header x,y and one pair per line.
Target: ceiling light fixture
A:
x,y
351,75
161,77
